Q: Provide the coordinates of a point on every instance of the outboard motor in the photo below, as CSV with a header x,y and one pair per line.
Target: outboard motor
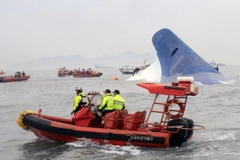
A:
x,y
178,138
190,127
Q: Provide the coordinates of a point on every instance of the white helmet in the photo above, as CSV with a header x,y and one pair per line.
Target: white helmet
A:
x,y
78,89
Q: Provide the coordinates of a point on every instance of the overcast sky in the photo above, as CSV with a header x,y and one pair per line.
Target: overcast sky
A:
x,y
44,28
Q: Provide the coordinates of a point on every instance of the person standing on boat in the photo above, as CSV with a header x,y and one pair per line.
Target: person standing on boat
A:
x,y
119,102
23,73
79,100
107,103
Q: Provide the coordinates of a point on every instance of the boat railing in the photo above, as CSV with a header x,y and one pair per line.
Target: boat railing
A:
x,y
164,128
195,127
170,114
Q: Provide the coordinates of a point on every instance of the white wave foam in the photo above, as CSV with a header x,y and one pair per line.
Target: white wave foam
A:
x,y
227,136
228,82
45,139
222,136
107,148
121,150
83,143
152,73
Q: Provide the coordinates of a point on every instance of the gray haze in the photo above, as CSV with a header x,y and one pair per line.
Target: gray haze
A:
x,y
78,61
32,29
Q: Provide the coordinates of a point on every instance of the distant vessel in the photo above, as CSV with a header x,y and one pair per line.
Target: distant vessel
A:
x,y
19,76
63,72
84,73
102,66
2,73
126,69
215,64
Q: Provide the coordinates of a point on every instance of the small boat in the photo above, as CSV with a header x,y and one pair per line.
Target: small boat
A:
x,y
2,73
215,64
167,128
19,76
63,72
126,69
77,73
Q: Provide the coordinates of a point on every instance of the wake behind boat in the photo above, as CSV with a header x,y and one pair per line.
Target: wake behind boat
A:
x,y
120,127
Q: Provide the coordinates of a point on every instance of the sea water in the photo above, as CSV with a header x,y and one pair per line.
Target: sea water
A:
x,y
217,107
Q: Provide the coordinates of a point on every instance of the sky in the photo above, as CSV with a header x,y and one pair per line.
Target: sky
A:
x,y
32,29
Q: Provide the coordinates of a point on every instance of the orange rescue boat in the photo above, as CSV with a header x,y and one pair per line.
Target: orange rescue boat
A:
x,y
168,127
19,76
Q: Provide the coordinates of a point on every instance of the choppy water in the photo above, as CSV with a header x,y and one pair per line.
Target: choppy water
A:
x,y
217,107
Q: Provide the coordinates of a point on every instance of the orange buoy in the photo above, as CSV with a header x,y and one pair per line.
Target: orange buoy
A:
x,y
115,78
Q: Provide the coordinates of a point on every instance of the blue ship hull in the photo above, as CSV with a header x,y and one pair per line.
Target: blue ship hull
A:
x,y
177,59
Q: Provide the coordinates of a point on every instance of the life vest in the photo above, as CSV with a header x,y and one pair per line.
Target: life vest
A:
x,y
82,102
108,100
119,103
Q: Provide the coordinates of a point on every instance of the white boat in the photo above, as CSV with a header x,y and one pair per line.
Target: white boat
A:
x,y
2,74
127,69
215,64
132,69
